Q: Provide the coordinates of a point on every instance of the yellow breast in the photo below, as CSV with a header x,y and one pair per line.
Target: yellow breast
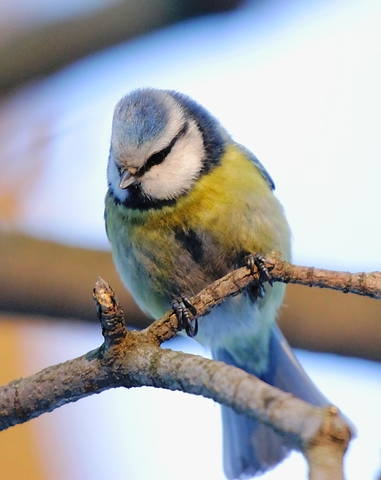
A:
x,y
234,203
230,210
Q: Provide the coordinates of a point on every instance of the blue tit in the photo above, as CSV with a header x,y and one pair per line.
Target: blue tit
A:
x,y
185,204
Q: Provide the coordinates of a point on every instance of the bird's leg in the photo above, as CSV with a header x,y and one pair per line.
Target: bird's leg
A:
x,y
257,263
186,315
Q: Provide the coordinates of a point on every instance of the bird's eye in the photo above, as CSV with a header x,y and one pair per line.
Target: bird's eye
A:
x,y
158,157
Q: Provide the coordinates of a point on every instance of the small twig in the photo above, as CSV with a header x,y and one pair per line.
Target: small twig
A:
x,y
132,358
110,313
368,284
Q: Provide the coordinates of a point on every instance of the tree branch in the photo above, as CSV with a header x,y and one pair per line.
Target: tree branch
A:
x,y
368,284
40,277
134,358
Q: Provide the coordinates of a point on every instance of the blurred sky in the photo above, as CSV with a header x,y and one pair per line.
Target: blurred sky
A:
x,y
299,84
18,16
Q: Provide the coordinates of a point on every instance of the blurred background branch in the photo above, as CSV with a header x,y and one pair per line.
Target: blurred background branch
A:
x,y
40,281
41,50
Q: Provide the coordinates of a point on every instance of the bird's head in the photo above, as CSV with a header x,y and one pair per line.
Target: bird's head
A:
x,y
161,142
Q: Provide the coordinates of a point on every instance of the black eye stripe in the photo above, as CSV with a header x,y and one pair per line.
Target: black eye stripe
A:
x,y
158,157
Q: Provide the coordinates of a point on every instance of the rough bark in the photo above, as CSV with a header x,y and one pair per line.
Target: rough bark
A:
x,y
132,358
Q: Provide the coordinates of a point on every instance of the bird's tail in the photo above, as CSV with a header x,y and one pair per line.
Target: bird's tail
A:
x,y
251,447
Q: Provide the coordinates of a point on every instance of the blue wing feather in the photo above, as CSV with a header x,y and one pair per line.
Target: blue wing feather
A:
x,y
259,165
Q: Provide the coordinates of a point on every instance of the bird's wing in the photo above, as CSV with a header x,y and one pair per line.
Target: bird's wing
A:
x,y
259,165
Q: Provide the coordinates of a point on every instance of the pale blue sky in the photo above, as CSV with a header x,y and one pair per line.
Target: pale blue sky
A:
x,y
298,86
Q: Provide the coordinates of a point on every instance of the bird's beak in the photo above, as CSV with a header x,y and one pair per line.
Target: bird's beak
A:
x,y
126,180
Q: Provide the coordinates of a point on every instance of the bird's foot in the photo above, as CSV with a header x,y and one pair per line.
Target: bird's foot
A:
x,y
256,263
186,315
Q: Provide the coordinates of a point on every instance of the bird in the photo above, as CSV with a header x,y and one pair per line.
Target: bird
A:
x,y
185,205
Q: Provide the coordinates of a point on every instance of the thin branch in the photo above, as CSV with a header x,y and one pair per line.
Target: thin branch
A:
x,y
132,358
38,280
368,284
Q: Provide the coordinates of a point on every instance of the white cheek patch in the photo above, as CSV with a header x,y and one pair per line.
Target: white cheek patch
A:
x,y
180,168
114,180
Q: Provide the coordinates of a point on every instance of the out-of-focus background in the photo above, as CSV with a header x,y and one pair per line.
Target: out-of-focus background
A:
x,y
297,82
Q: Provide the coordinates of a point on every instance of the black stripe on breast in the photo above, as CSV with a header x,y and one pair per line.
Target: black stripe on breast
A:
x,y
192,243
137,200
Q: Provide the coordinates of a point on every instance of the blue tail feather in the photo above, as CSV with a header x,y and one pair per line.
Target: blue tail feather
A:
x,y
251,447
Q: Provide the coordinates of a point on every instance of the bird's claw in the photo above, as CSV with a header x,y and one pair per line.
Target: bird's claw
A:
x,y
186,315
256,263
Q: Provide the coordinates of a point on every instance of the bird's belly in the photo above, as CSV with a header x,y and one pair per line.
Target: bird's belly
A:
x,y
239,317
157,273
146,286
234,317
